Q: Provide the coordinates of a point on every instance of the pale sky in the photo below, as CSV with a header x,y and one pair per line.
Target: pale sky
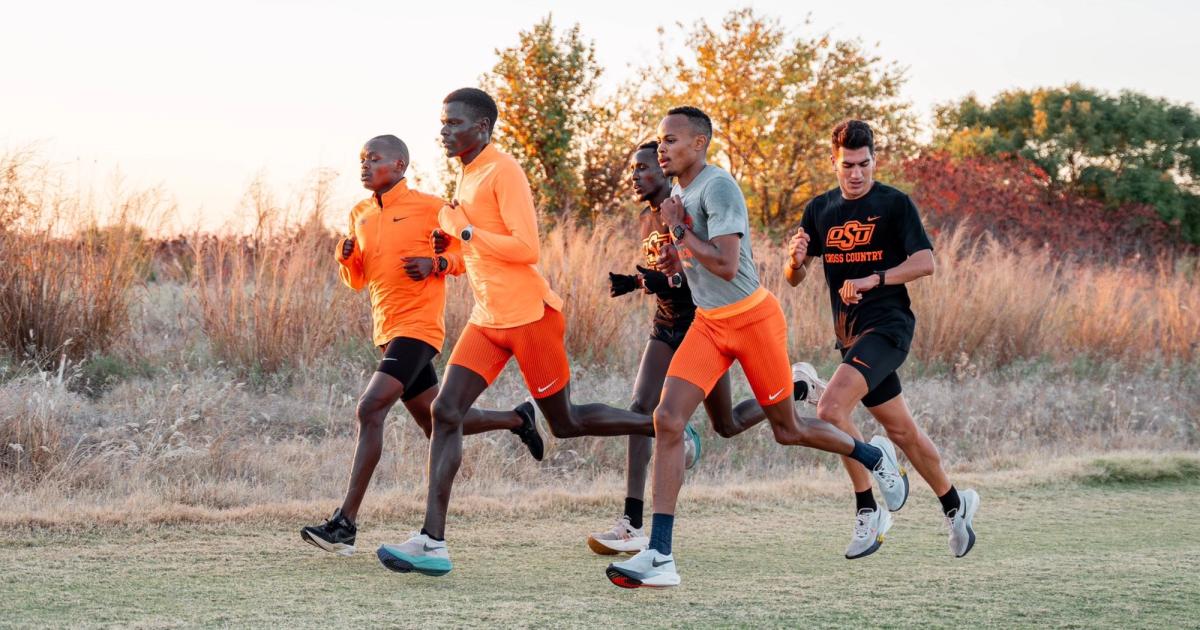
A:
x,y
199,97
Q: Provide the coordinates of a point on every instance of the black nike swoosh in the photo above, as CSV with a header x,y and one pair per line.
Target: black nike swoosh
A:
x,y
395,219
657,564
428,548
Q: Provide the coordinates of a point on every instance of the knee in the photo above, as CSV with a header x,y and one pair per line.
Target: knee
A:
x,y
905,437
668,424
445,414
370,412
832,411
565,430
724,427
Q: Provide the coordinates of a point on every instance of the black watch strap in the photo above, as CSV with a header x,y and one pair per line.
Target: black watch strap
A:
x,y
882,277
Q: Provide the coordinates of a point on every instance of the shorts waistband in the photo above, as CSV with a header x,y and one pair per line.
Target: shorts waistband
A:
x,y
737,308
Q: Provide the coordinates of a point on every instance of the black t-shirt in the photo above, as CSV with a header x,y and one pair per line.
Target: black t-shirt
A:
x,y
856,238
675,307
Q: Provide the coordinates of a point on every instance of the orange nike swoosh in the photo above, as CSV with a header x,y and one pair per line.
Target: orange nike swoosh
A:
x,y
860,362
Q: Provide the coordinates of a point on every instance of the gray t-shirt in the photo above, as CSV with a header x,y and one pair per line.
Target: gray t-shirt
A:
x,y
716,207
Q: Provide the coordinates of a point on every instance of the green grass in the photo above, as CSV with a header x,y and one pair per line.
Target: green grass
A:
x,y
1074,554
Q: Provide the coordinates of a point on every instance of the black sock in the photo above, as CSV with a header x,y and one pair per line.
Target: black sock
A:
x,y
660,532
633,510
801,390
866,454
431,536
950,501
865,500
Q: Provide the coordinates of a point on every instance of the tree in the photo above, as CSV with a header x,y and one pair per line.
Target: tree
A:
x,y
1124,149
543,87
774,98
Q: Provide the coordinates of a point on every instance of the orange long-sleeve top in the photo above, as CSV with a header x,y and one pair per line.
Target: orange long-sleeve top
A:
x,y
501,257
386,230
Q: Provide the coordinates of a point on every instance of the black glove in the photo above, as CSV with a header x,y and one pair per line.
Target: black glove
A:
x,y
654,281
621,284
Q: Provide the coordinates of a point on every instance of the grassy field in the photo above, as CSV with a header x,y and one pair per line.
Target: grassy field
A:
x,y
1098,543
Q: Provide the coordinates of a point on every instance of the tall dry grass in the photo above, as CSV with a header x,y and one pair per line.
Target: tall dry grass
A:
x,y
67,266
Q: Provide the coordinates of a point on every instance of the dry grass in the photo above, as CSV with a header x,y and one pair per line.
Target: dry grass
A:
x,y
67,265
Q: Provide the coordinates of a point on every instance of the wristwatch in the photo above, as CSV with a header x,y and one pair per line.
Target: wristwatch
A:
x,y
677,232
882,277
675,280
465,235
442,264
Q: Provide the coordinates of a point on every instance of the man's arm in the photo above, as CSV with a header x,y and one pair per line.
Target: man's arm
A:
x,y
515,199
918,265
798,258
349,257
719,255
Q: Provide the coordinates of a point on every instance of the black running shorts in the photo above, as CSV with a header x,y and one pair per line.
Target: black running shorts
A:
x,y
672,335
877,358
409,361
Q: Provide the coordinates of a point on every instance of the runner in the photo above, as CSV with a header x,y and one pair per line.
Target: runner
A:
x,y
516,314
672,316
390,252
871,241
736,319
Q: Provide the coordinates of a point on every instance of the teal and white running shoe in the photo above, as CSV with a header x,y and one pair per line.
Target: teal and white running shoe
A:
x,y
890,475
692,449
419,553
647,569
959,522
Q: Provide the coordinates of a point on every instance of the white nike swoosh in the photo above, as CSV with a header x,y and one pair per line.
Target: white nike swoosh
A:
x,y
776,394
542,389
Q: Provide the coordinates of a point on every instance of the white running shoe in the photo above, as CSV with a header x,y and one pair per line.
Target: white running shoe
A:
x,y
891,476
622,538
869,528
959,521
419,553
813,385
647,569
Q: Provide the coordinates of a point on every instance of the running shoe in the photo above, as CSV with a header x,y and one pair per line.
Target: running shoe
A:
x,y
869,528
647,569
335,536
419,553
622,538
692,449
959,522
891,476
808,385
528,431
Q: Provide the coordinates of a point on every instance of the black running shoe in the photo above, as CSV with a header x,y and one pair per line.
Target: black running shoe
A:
x,y
528,431
336,535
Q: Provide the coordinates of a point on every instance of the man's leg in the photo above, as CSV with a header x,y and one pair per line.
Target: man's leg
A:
x,y
450,409
897,420
958,507
373,406
727,419
627,535
540,350
844,391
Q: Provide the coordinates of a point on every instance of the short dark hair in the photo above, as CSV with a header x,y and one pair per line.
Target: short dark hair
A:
x,y
479,102
393,144
853,134
651,145
700,121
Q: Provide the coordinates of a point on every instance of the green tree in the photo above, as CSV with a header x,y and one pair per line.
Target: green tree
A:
x,y
544,87
774,97
1128,148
